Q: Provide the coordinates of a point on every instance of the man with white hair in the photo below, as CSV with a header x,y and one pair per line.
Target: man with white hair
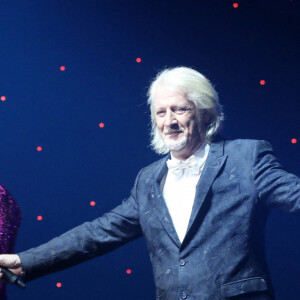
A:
x,y
202,208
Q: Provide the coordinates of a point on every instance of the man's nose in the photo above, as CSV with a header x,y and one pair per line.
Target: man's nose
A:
x,y
170,118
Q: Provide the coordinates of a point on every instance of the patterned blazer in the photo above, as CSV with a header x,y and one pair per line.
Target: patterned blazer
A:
x,y
222,255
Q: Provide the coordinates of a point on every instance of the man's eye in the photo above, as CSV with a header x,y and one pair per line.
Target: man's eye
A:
x,y
160,113
181,109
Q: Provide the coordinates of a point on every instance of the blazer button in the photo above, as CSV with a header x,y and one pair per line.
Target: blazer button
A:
x,y
183,295
182,262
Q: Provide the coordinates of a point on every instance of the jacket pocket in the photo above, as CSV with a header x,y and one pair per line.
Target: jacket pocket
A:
x,y
229,190
243,286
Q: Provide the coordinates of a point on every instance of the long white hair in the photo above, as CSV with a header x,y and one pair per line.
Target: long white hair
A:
x,y
197,89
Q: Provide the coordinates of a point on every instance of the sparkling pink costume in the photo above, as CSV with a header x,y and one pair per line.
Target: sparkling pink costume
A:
x,y
10,217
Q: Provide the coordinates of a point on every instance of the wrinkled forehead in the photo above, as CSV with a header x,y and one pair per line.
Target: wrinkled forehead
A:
x,y
169,98
171,95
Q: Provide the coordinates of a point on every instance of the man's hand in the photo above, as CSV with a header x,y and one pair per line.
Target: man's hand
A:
x,y
12,262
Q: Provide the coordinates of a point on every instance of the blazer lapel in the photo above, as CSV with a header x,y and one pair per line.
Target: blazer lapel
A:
x,y
160,207
214,163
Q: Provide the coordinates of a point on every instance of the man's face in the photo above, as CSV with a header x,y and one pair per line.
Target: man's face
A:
x,y
179,122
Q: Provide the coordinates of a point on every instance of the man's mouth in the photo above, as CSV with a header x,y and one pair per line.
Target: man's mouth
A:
x,y
172,133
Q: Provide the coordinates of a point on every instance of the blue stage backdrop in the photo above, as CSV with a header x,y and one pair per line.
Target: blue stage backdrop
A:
x,y
75,123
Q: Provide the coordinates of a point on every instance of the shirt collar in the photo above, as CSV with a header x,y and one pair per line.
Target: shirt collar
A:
x,y
201,153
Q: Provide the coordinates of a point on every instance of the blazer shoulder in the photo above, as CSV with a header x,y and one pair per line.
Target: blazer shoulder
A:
x,y
151,172
245,147
153,167
244,143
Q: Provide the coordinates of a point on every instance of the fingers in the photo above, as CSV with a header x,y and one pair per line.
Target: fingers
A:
x,y
2,279
10,261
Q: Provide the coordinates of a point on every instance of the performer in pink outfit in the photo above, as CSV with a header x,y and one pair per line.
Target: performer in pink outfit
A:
x,y
10,216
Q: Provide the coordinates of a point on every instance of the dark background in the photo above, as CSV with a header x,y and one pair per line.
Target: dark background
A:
x,y
98,43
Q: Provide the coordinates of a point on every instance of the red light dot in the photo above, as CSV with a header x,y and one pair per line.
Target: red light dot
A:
x,y
128,271
262,82
3,98
39,148
235,5
92,203
138,60
101,125
59,284
62,68
294,141
40,218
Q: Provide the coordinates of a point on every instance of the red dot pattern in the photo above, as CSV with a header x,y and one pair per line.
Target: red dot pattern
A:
x,y
138,60
235,5
294,141
128,271
39,148
101,125
3,98
59,284
62,68
262,82
40,218
92,203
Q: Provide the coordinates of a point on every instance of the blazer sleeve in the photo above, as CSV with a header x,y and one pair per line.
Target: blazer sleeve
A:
x,y
86,241
272,183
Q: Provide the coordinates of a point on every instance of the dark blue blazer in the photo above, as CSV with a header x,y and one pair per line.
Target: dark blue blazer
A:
x,y
222,255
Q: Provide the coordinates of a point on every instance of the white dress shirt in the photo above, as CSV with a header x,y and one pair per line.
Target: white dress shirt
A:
x,y
179,192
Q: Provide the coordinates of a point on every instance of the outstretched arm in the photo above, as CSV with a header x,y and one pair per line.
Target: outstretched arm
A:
x,y
84,242
278,187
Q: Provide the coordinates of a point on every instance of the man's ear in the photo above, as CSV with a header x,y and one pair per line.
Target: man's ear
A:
x,y
205,117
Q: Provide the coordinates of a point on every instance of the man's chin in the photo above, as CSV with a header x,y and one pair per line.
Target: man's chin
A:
x,y
175,145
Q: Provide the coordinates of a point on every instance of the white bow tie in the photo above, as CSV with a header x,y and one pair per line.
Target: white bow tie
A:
x,y
189,166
